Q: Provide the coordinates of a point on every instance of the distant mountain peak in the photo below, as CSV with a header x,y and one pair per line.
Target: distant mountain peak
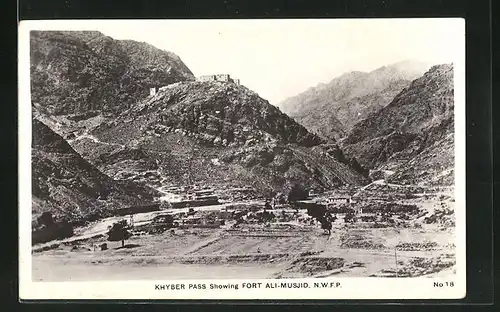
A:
x,y
332,109
416,127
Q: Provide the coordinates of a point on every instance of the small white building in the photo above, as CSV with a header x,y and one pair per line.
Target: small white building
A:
x,y
339,199
207,78
152,91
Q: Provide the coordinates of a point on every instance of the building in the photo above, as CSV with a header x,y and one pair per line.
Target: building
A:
x,y
314,192
219,78
340,199
222,77
208,201
309,204
207,78
205,192
152,91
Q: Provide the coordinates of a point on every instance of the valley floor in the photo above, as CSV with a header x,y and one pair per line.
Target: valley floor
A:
x,y
353,251
291,249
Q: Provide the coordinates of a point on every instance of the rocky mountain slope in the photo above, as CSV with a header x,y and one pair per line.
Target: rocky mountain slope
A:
x,y
213,133
93,91
71,188
74,72
413,136
332,109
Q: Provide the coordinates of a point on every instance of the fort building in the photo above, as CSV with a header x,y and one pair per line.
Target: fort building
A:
x,y
219,78
222,77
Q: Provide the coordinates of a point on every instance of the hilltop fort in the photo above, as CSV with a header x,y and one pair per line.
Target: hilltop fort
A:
x,y
204,78
219,77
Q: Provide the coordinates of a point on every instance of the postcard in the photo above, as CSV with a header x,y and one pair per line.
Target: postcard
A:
x,y
242,159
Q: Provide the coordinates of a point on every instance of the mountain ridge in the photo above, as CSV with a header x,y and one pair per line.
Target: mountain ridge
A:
x,y
225,131
332,109
80,71
415,130
72,189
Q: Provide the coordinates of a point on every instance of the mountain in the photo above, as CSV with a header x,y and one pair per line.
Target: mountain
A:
x,y
332,109
213,133
93,91
413,136
71,188
74,72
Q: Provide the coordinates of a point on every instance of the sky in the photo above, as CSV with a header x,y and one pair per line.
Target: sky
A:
x,y
281,58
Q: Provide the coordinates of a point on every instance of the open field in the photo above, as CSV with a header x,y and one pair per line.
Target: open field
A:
x,y
213,253
289,245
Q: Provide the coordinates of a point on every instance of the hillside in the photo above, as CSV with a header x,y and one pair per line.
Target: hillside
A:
x,y
93,91
75,72
213,133
71,188
332,109
413,135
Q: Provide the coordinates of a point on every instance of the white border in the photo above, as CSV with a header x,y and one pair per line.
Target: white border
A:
x,y
352,288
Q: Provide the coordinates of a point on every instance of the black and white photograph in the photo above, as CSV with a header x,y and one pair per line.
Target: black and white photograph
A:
x,y
224,154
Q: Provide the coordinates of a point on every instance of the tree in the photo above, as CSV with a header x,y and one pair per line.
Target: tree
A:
x,y
320,213
267,205
297,192
119,232
326,225
317,211
64,229
46,219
